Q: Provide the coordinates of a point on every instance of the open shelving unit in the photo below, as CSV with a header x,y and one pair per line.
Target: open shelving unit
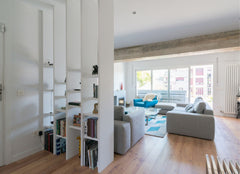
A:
x,y
73,72
47,95
97,49
59,102
46,70
88,42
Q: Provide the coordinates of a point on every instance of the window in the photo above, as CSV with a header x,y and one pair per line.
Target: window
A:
x,y
199,81
202,83
199,71
179,83
160,84
160,79
143,82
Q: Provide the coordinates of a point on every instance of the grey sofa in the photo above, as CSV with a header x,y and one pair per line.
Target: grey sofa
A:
x,y
128,129
192,121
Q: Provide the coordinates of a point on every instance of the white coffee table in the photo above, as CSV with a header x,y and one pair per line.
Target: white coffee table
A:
x,y
151,113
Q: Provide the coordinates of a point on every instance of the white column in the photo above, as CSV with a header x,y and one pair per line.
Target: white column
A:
x,y
105,60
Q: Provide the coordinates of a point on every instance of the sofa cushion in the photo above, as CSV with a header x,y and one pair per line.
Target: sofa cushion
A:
x,y
166,106
179,109
198,99
118,113
191,110
149,97
188,107
199,107
140,103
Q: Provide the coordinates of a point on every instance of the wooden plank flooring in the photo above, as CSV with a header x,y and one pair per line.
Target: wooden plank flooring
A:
x,y
172,154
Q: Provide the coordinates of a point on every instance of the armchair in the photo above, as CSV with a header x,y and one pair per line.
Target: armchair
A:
x,y
146,104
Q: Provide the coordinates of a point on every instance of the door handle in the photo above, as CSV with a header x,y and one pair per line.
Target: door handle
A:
x,y
1,92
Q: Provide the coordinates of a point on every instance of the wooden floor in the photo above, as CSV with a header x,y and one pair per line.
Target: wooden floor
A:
x,y
170,155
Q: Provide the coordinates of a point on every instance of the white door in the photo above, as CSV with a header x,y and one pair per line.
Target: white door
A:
x,y
2,28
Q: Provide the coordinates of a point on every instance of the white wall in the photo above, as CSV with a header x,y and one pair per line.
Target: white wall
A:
x,y
22,66
119,77
23,47
219,79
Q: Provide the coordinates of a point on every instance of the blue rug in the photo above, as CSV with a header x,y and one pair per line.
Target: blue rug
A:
x,y
156,127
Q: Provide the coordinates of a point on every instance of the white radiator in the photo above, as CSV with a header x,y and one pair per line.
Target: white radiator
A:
x,y
231,88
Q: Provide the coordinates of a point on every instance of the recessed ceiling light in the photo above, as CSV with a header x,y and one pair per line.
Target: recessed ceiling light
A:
x,y
134,12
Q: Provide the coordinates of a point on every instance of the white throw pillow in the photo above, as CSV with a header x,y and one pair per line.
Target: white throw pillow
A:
x,y
149,96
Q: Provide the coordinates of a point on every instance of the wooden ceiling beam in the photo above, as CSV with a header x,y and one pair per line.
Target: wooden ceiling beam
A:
x,y
213,43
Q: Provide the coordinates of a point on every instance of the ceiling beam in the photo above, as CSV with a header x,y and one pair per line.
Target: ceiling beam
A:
x,y
213,43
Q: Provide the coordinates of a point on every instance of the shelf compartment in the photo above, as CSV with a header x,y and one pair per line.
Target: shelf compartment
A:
x,y
90,99
91,115
59,136
90,138
75,127
74,106
60,110
91,76
60,97
48,90
47,66
73,70
60,83
48,114
73,91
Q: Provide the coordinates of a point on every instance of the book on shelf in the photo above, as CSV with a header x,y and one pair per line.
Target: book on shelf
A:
x,y
92,127
77,120
95,91
79,146
48,140
91,153
61,127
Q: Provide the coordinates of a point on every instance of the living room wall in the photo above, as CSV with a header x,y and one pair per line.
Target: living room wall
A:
x,y
219,61
119,76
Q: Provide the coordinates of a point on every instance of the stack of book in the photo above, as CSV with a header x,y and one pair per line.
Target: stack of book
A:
x,y
91,154
95,91
61,127
77,120
92,127
60,146
48,140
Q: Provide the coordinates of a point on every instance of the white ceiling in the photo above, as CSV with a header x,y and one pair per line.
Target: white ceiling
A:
x,y
162,20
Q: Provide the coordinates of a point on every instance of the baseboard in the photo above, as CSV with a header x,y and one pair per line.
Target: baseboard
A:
x,y
227,115
26,153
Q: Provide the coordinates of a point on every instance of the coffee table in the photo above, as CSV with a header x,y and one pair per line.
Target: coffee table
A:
x,y
151,113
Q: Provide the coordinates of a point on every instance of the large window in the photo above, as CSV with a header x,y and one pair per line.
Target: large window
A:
x,y
202,83
144,80
160,79
177,85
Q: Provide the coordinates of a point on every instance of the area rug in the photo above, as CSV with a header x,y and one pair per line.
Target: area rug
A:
x,y
156,127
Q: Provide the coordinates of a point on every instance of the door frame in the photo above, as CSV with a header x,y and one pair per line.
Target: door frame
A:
x,y
2,119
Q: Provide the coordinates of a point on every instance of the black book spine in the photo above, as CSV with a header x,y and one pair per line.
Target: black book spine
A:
x,y
51,143
46,140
